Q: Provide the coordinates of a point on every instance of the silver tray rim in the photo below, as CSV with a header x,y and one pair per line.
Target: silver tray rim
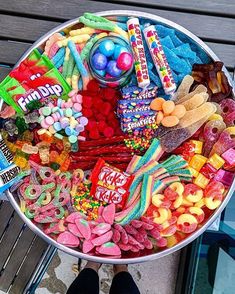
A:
x,y
164,252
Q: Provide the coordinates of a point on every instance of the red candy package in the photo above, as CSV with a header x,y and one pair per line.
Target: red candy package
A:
x,y
109,184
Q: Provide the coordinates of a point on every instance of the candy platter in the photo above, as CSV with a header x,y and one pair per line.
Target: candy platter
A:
x,y
122,16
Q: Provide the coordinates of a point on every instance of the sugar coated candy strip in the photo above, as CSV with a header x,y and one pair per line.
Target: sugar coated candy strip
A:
x,y
137,46
159,59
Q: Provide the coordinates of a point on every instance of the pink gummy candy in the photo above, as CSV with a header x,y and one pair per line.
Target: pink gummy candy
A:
x,y
227,107
124,247
87,246
74,230
148,244
109,249
68,239
130,230
162,242
84,228
109,213
74,215
225,142
101,228
102,239
116,236
230,119
136,223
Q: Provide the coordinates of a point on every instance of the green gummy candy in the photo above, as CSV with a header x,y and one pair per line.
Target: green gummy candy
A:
x,y
108,244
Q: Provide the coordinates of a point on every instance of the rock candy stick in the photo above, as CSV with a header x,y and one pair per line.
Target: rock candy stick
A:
x,y
159,59
137,46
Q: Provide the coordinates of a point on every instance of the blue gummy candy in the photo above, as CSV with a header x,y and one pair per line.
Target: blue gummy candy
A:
x,y
167,42
185,51
176,64
155,79
164,32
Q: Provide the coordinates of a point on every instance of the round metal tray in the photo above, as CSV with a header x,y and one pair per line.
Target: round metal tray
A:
x,y
117,15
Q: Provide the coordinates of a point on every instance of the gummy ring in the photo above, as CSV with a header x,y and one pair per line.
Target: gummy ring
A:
x,y
200,203
163,215
187,223
177,187
33,191
180,210
193,193
158,201
214,186
214,200
187,203
61,212
171,221
44,199
30,213
197,212
177,202
64,176
78,174
169,231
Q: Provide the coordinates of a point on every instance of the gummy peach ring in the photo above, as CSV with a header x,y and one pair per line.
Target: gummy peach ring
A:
x,y
197,212
214,200
187,223
163,215
200,203
158,201
177,202
177,187
194,193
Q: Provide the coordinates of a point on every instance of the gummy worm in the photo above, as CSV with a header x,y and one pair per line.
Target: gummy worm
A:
x,y
98,22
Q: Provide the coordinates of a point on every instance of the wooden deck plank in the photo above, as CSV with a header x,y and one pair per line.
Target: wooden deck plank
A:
x,y
9,239
218,7
48,9
24,28
6,211
4,71
11,51
29,266
16,259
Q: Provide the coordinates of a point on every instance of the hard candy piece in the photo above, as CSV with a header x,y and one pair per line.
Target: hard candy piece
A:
x,y
112,69
118,50
99,61
68,239
109,248
107,47
229,156
125,61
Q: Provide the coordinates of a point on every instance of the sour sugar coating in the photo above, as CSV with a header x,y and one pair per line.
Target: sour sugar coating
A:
x,y
159,59
101,23
137,46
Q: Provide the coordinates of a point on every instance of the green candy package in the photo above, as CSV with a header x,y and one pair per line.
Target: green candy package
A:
x,y
35,78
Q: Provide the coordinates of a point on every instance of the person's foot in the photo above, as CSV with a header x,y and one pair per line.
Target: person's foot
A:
x,y
117,268
93,265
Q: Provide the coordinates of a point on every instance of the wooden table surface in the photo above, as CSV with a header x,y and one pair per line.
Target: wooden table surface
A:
x,y
23,22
